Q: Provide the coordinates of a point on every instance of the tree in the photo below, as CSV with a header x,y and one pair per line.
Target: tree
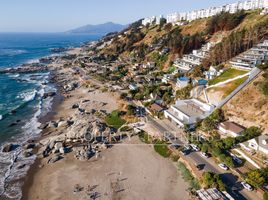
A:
x,y
168,27
265,196
208,124
255,178
211,180
184,93
131,110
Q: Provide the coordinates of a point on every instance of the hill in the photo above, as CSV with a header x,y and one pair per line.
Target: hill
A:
x,y
100,29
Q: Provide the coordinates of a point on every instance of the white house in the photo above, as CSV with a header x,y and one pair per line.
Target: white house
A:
x,y
258,144
166,78
188,112
212,73
148,20
231,129
182,82
173,18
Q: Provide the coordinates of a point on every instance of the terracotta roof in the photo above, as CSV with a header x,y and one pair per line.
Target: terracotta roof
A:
x,y
231,126
156,108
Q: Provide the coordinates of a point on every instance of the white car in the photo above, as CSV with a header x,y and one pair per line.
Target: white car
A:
x,y
223,166
247,186
204,154
195,147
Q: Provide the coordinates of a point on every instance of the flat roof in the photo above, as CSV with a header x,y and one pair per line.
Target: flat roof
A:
x,y
190,109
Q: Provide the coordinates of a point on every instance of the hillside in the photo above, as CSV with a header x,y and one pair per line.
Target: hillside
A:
x,y
233,33
100,29
250,106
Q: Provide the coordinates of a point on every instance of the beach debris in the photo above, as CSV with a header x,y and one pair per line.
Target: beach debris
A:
x,y
78,188
49,94
58,145
9,147
27,154
75,106
30,146
55,159
52,124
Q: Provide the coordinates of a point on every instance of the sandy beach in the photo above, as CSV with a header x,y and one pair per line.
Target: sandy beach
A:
x,y
129,170
123,172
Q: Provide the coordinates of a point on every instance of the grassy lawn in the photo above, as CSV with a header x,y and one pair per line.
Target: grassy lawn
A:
x,y
145,137
115,120
161,148
230,87
228,74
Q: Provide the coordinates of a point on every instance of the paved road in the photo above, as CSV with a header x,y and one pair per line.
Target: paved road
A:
x,y
232,182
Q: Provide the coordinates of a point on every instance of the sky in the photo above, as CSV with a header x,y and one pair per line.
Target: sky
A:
x,y
63,15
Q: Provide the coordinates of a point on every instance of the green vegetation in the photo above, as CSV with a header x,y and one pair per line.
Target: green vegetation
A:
x,y
240,39
160,60
264,85
224,22
126,128
233,85
265,196
211,122
175,157
211,180
256,178
164,92
182,44
187,176
184,93
228,74
161,148
263,66
114,119
145,137
220,147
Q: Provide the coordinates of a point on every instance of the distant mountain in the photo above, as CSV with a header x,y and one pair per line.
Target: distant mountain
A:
x,y
100,29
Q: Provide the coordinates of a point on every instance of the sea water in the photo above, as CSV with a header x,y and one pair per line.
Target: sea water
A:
x,y
21,99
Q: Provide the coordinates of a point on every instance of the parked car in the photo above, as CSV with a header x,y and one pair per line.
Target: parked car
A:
x,y
223,166
174,146
237,160
199,166
247,186
195,147
185,152
188,147
204,154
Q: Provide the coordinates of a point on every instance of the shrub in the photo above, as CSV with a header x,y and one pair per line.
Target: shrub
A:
x,y
187,176
211,180
114,119
162,149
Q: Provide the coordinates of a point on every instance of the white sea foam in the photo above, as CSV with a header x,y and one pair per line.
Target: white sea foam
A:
x,y
10,171
1,117
14,75
32,61
27,95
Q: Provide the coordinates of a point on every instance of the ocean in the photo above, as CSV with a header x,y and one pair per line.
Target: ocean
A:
x,y
21,99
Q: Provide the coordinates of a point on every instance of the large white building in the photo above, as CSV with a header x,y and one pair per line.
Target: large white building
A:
x,y
188,112
189,61
152,20
251,58
204,13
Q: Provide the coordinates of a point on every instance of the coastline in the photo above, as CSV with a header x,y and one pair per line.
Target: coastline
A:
x,y
45,180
